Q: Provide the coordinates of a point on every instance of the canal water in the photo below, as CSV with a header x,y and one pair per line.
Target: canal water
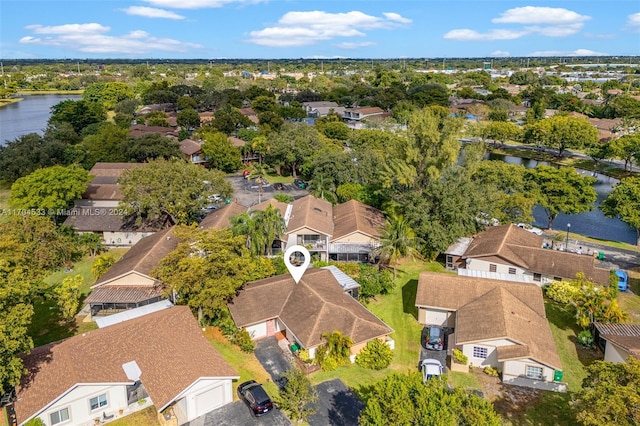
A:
x,y
28,116
593,223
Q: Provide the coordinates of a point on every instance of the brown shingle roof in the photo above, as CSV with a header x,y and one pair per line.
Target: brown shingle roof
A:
x,y
313,213
279,205
168,346
123,294
317,304
112,169
142,257
190,147
219,219
518,247
237,142
513,311
627,336
354,216
104,219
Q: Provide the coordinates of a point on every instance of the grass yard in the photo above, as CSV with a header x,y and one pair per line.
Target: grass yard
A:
x,y
463,380
146,417
247,365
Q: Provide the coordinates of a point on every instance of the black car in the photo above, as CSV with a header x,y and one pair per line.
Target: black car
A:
x,y
278,186
300,183
433,338
253,394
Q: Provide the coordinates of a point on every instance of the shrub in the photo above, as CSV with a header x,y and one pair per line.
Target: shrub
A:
x,y
328,363
585,338
303,355
459,357
242,339
376,355
491,371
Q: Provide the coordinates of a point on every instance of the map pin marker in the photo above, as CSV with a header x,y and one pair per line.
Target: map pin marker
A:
x,y
297,270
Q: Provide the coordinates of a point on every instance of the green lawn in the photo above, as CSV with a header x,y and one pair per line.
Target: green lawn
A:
x,y
146,417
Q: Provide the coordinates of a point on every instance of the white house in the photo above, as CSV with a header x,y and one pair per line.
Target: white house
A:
x,y
618,342
496,323
161,358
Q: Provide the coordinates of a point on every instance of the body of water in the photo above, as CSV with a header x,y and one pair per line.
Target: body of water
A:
x,y
593,223
28,116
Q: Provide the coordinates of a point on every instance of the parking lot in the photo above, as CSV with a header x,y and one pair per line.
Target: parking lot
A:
x,y
248,193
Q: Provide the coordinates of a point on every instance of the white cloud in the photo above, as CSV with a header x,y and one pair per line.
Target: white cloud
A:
x,y
305,28
355,45
151,12
92,38
472,35
633,21
556,30
539,15
577,52
198,4
499,54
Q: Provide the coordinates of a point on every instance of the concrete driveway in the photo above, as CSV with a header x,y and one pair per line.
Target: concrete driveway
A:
x,y
238,414
337,405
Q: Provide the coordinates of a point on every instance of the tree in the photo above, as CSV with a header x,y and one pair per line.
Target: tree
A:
x,y
207,268
624,203
150,147
107,144
561,132
49,189
397,241
68,296
102,265
188,119
28,153
335,351
175,188
502,131
376,355
561,190
403,399
261,229
229,120
292,146
109,93
609,394
373,281
90,243
220,152
627,148
298,396
79,114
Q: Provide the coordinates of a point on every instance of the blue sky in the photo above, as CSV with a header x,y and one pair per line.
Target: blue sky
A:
x,y
211,29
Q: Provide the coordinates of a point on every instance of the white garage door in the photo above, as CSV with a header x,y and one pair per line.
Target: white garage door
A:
x,y
437,317
209,400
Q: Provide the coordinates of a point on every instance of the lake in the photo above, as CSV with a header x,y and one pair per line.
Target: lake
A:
x,y
593,223
28,116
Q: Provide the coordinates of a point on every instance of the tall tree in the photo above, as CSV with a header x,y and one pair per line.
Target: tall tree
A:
x,y
79,114
624,203
562,190
292,145
298,396
68,296
562,132
28,153
398,240
49,189
261,229
170,187
609,394
220,152
150,147
627,148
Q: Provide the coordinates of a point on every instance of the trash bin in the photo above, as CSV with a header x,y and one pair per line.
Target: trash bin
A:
x,y
557,376
295,347
600,255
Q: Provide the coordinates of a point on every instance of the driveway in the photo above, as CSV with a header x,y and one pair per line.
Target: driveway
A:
x,y
337,405
439,355
238,414
272,358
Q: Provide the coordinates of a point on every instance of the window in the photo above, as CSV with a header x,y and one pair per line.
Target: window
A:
x,y
449,261
98,401
512,271
492,267
534,372
480,352
59,416
537,277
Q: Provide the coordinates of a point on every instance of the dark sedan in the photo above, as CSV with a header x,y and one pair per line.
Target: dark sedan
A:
x,y
254,395
278,186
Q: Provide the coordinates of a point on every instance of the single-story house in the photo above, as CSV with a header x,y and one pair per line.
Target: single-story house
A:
x,y
317,304
356,231
128,283
511,253
159,359
193,151
617,341
317,109
495,323
357,114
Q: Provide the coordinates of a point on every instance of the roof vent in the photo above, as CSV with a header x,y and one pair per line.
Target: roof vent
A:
x,y
132,370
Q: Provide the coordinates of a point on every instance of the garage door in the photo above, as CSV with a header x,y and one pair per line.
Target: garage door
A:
x,y
209,400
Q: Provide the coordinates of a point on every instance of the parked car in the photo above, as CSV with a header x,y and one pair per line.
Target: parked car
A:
x,y
299,183
278,186
254,395
434,338
530,228
623,280
431,368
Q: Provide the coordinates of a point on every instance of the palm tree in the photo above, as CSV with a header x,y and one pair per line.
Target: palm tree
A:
x,y
259,173
321,187
272,226
261,229
398,240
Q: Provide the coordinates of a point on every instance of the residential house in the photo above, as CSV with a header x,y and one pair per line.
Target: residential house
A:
x,y
322,108
159,359
310,224
220,218
193,151
98,210
245,150
139,130
302,312
359,114
508,252
495,323
250,114
618,342
128,283
356,231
